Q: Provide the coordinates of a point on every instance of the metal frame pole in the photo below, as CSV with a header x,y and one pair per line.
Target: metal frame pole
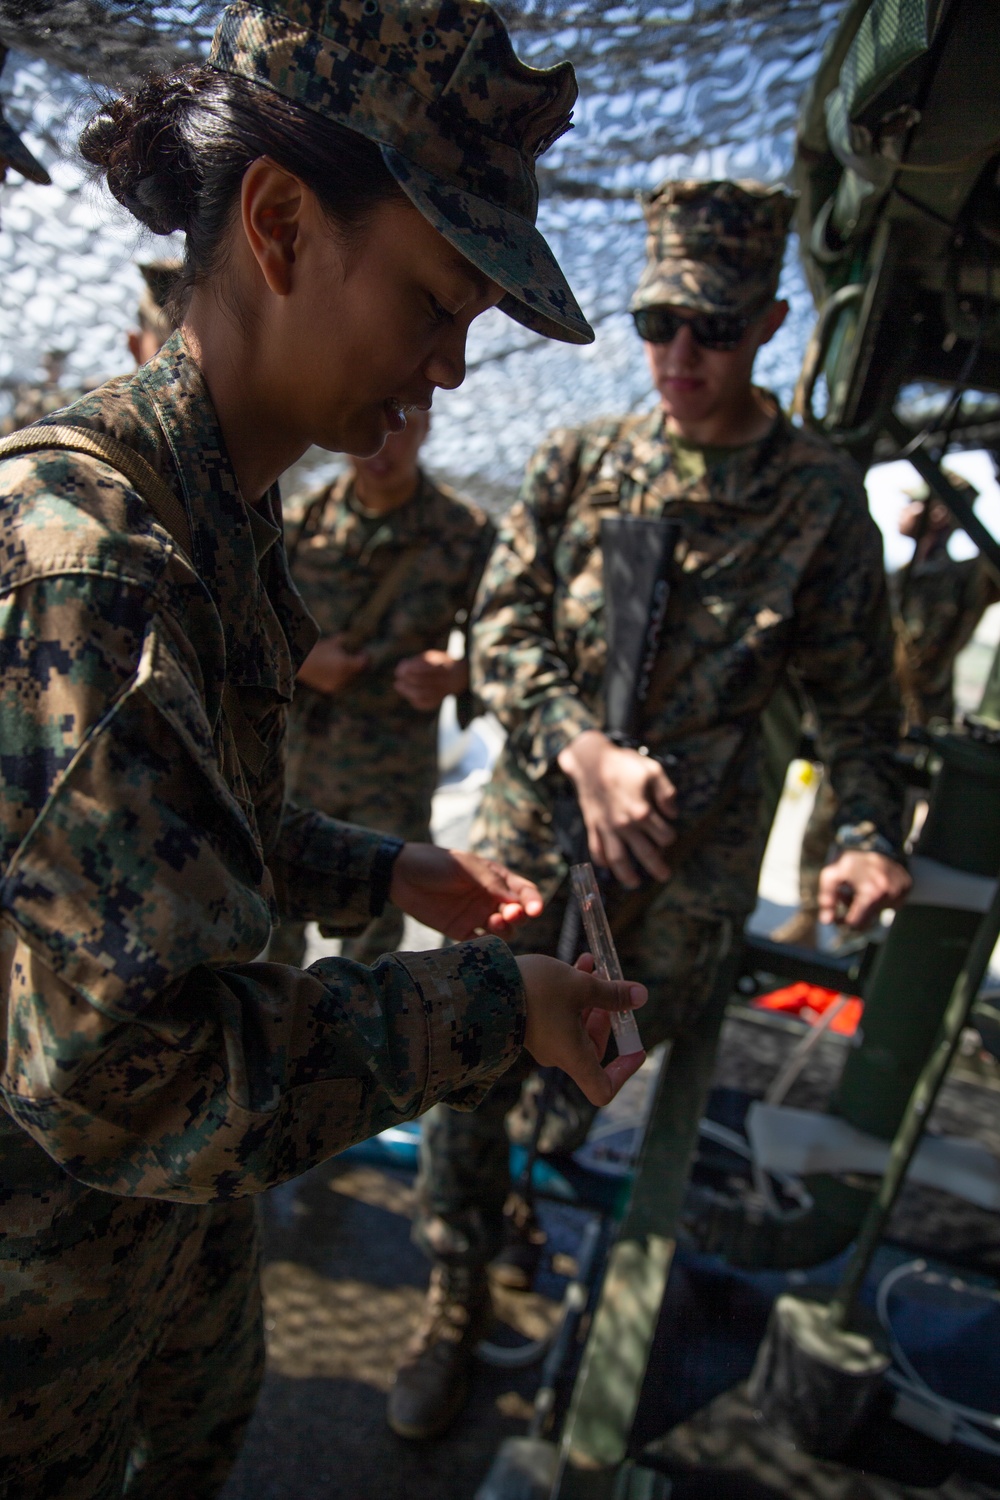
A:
x,y
939,484
914,1121
609,1384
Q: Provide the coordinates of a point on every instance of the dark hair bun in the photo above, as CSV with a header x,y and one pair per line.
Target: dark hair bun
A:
x,y
138,142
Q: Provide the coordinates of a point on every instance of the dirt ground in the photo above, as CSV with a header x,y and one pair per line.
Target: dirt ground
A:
x,y
343,1289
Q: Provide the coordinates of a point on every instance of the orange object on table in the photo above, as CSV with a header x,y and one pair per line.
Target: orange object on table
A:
x,y
810,1002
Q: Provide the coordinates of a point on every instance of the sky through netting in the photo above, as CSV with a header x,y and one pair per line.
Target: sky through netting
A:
x,y
695,87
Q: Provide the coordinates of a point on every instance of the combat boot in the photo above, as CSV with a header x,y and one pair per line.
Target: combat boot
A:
x,y
800,930
432,1383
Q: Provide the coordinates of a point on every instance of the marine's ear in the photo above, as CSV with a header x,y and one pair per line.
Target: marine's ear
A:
x,y
272,203
772,320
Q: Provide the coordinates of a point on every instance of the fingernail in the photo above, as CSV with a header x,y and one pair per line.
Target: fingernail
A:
x,y
636,994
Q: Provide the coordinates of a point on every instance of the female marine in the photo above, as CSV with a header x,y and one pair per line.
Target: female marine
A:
x,y
355,182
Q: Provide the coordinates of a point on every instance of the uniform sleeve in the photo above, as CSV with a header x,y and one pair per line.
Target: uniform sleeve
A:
x,y
468,703
517,669
145,1051
330,872
844,654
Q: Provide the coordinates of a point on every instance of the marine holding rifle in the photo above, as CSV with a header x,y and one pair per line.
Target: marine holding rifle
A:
x,y
356,184
386,560
777,563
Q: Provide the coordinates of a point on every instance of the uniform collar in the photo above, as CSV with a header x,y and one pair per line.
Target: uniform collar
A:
x,y
267,628
406,522
746,480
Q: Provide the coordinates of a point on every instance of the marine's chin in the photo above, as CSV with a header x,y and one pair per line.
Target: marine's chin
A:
x,y
366,434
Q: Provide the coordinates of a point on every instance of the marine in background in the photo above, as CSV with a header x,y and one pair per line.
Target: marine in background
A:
x,y
388,561
157,315
778,564
31,400
937,602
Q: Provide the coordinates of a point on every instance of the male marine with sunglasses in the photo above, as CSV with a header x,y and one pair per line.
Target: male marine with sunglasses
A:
x,y
778,565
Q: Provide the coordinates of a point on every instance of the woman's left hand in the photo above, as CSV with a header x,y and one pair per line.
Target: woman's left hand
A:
x,y
460,894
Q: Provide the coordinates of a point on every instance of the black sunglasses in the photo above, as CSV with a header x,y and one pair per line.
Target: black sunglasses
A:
x,y
720,331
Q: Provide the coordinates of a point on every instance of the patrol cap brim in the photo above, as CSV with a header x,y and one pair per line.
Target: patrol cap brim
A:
x,y
502,244
14,153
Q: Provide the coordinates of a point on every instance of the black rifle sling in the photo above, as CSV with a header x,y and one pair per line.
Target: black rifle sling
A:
x,y
637,557
170,513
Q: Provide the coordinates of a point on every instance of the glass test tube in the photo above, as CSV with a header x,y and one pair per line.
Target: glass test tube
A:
x,y
602,946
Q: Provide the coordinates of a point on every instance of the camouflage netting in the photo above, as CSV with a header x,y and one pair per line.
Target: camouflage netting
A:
x,y
705,87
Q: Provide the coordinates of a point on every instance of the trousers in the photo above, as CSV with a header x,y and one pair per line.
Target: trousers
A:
x,y
133,1348
387,813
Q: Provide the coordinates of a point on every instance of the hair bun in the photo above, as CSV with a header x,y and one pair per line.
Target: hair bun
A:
x,y
137,142
101,135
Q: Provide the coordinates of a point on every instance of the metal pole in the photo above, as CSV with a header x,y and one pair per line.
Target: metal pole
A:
x,y
914,1121
937,481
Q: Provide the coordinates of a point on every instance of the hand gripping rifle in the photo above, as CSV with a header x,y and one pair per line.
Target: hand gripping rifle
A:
x,y
638,552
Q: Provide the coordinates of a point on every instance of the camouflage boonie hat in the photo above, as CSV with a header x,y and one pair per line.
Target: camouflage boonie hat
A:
x,y
160,277
713,246
458,117
14,153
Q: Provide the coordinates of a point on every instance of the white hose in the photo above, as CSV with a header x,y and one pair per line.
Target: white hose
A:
x,y
966,1420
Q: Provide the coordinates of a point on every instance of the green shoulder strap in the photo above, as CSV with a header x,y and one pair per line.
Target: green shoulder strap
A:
x,y
143,478
366,620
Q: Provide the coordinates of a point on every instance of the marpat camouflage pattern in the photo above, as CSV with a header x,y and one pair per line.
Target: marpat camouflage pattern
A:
x,y
937,602
713,246
365,754
149,1062
779,565
460,121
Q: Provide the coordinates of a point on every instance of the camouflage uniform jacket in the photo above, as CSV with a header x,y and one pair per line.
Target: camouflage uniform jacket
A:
x,y
937,604
778,564
143,863
338,557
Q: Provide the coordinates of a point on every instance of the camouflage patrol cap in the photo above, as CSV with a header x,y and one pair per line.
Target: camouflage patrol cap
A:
x,y
459,120
14,153
713,246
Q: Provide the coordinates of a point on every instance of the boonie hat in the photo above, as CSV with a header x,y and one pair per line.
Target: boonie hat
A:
x,y
14,153
459,120
713,246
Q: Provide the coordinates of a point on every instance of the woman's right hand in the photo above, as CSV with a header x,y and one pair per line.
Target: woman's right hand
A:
x,y
569,1021
329,667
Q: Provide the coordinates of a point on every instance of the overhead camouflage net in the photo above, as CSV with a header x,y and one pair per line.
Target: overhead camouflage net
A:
x,y
697,87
